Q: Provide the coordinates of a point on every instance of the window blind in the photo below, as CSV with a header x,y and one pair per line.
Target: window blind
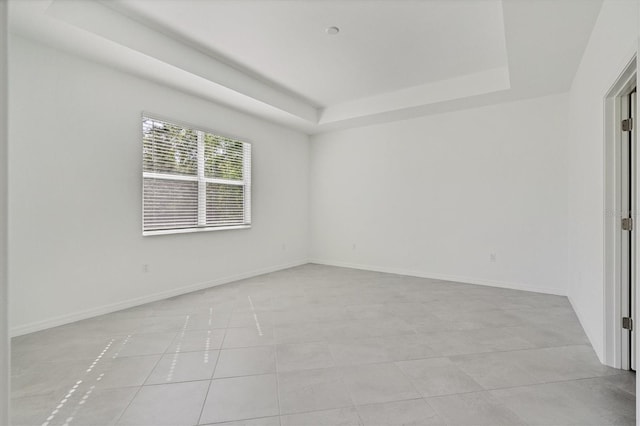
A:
x,y
193,179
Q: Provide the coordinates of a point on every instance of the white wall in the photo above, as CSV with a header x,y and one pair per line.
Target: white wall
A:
x,y
4,305
435,196
613,43
76,247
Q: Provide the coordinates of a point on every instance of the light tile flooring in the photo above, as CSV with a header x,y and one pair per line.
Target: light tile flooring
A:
x,y
318,345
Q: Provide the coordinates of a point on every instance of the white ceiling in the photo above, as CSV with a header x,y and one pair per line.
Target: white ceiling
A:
x,y
382,46
391,60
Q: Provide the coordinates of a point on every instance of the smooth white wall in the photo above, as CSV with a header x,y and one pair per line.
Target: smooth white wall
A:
x,y
76,247
435,196
612,45
4,302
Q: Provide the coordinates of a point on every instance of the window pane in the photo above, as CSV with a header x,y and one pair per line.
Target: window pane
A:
x,y
168,148
170,204
223,157
225,204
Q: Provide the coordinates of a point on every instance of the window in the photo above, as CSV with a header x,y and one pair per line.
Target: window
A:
x,y
193,180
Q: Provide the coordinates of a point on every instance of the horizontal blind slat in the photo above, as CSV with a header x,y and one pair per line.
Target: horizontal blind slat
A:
x,y
169,203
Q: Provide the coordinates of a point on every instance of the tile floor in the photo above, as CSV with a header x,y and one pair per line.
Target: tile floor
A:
x,y
318,345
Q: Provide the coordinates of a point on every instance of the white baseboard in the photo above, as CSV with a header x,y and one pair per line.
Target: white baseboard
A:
x,y
600,356
442,277
113,307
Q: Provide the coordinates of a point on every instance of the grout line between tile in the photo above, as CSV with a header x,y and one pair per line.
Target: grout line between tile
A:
x,y
275,358
204,401
147,378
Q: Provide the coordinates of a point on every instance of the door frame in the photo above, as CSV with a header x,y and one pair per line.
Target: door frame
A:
x,y
5,371
616,349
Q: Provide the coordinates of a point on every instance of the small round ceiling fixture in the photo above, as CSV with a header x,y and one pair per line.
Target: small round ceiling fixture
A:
x,y
332,30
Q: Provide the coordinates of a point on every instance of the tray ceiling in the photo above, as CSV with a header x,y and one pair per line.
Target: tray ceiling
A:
x,y
390,59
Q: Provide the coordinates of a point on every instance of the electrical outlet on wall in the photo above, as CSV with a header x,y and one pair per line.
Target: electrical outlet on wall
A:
x,y
492,257
353,247
145,268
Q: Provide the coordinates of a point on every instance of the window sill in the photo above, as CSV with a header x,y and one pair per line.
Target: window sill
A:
x,y
192,230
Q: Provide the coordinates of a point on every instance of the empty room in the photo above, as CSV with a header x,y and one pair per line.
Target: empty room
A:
x,y
318,212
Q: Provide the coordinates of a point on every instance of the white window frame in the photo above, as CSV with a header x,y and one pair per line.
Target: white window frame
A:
x,y
202,181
